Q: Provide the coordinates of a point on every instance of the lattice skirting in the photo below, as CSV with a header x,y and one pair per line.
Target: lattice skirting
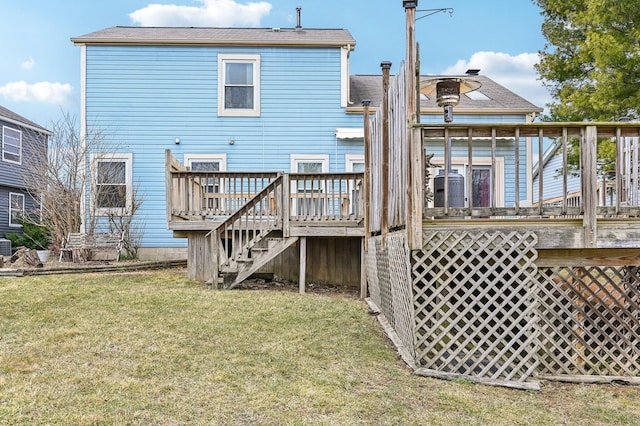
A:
x,y
389,284
475,304
589,321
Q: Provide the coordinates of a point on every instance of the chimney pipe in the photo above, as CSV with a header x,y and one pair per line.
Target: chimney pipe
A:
x,y
298,25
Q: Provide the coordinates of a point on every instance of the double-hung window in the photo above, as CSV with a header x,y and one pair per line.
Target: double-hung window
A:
x,y
11,145
112,189
212,186
239,85
16,208
309,192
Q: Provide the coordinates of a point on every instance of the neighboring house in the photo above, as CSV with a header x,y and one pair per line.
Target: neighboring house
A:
x,y
554,176
23,142
238,99
491,103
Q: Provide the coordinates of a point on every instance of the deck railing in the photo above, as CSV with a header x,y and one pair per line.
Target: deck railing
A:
x,y
318,197
518,186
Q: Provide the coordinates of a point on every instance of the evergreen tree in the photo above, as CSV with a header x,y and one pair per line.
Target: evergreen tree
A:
x,y
591,61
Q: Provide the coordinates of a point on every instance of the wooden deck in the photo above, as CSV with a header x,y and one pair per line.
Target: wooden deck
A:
x,y
545,285
327,204
237,222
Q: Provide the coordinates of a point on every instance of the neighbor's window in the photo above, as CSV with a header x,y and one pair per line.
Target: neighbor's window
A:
x,y
16,208
239,85
112,188
11,145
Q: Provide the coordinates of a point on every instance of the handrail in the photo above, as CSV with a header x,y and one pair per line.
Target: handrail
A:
x,y
254,220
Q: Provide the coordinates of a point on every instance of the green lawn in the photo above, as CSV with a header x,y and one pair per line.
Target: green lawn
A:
x,y
153,348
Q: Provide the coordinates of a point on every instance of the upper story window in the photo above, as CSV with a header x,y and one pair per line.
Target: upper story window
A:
x,y
112,189
11,145
239,85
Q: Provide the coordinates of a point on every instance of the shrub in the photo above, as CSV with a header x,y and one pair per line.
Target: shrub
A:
x,y
33,236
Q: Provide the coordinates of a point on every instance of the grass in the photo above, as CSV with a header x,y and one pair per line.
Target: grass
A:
x,y
153,348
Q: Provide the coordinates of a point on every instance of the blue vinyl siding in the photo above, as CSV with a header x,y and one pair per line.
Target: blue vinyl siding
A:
x,y
144,97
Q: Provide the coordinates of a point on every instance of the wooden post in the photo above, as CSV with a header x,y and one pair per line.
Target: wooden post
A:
x,y
589,185
366,191
414,140
214,241
286,206
384,222
363,270
303,264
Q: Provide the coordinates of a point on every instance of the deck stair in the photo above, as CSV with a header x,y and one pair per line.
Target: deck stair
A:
x,y
254,259
250,238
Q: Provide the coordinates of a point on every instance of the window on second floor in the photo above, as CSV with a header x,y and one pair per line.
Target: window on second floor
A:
x,y
11,145
239,85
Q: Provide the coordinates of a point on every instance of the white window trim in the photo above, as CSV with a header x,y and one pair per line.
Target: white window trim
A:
x,y
11,209
3,145
477,161
255,60
308,158
350,159
221,158
127,157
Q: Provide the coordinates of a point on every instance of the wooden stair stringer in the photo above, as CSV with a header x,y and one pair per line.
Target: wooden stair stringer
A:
x,y
259,261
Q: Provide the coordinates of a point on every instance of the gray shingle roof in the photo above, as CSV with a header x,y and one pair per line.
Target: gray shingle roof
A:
x,y
219,36
500,100
7,114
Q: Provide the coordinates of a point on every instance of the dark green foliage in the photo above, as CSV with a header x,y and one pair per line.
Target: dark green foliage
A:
x,y
33,236
591,58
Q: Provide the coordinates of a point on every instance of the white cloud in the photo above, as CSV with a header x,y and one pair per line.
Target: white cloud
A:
x,y
43,92
27,65
516,73
211,13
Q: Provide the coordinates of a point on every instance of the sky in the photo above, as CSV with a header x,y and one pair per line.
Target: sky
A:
x,y
40,67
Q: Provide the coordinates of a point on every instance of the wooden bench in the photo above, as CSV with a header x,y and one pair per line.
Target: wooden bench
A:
x,y
80,247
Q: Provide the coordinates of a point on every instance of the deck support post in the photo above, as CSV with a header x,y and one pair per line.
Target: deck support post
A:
x,y
384,219
590,185
366,190
413,141
303,264
363,270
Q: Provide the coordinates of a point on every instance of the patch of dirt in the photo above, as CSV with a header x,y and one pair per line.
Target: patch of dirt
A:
x,y
280,284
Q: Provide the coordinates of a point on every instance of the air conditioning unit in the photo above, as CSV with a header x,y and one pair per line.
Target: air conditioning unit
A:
x,y
5,247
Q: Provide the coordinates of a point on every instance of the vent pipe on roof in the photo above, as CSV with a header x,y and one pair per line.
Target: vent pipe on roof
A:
x,y
298,25
473,71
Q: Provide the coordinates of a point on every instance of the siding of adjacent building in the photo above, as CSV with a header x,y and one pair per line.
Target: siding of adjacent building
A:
x,y
13,175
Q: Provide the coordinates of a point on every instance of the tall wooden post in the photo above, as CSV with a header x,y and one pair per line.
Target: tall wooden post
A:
x,y
366,190
414,141
384,222
589,185
366,195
